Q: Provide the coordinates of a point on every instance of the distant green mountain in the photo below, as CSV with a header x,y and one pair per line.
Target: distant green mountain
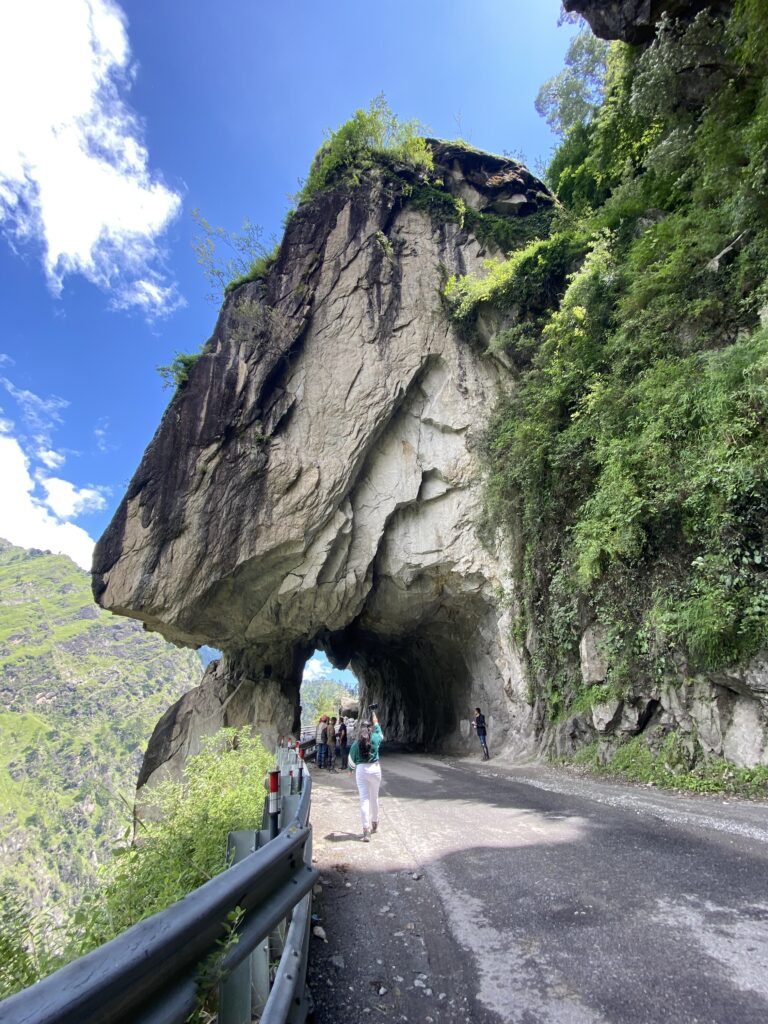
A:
x,y
80,692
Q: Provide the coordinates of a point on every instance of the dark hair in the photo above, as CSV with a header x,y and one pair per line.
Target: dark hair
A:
x,y
478,711
364,741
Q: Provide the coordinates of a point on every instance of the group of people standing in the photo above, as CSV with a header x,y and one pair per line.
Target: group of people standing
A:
x,y
332,741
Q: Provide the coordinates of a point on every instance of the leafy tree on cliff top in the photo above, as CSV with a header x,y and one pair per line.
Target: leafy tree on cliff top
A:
x,y
573,96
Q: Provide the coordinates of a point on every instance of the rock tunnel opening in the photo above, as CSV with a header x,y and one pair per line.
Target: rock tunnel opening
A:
x,y
422,687
425,679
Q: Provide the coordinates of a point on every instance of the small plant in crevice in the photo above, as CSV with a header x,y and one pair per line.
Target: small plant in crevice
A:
x,y
257,271
176,373
385,244
231,258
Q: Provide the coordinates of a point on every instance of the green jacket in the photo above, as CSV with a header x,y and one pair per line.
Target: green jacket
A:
x,y
377,737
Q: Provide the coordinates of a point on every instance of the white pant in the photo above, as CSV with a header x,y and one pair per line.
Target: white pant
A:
x,y
368,778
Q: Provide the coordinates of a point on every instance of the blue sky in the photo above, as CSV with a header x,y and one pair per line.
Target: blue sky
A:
x,y
125,118
318,667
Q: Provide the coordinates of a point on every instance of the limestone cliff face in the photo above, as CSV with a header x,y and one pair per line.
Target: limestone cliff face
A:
x,y
317,482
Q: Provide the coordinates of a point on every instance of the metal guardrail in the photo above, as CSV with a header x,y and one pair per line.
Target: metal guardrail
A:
x,y
150,974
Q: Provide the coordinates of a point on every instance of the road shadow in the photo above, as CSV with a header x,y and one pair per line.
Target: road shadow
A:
x,y
343,837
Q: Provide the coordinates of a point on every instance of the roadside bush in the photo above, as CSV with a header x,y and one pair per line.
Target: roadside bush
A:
x,y
180,845
182,841
671,766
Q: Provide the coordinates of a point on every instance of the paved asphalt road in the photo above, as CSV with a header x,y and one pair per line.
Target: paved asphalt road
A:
x,y
527,895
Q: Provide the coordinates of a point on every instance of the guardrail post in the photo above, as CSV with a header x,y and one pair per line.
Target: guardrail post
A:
x,y
260,980
235,992
274,803
303,1004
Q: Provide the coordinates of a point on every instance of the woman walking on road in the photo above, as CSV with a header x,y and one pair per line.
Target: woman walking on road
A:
x,y
364,758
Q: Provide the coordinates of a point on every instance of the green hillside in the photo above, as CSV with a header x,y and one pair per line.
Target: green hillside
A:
x,y
81,692
630,461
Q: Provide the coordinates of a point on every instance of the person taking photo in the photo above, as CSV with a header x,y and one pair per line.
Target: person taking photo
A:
x,y
364,761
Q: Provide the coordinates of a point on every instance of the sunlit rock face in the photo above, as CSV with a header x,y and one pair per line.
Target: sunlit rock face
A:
x,y
318,482
635,21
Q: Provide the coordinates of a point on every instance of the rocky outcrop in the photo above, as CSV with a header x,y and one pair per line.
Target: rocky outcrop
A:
x,y
722,714
635,21
317,482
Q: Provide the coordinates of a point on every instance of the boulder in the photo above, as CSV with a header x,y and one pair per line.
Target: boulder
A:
x,y
606,716
594,664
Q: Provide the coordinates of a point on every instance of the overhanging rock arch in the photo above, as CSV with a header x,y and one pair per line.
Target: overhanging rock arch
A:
x,y
318,480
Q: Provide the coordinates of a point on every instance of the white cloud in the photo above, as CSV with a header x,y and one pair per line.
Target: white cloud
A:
x,y
315,669
23,518
50,458
101,433
74,172
40,414
68,501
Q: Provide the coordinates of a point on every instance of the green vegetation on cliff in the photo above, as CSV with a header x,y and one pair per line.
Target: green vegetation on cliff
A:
x,y
369,137
81,691
631,458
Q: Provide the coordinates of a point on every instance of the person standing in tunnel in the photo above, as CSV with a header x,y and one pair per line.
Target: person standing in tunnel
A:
x,y
341,740
321,741
479,726
331,759
364,759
